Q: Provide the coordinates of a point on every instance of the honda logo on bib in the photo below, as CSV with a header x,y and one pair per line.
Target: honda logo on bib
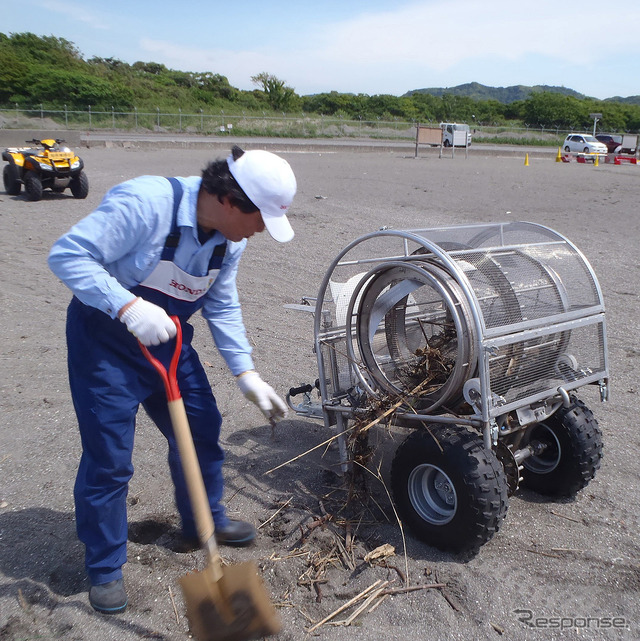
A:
x,y
169,279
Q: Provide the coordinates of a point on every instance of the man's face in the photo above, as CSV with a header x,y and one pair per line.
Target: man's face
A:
x,y
229,220
241,225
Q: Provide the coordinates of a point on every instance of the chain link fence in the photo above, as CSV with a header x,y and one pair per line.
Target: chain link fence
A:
x,y
286,126
302,126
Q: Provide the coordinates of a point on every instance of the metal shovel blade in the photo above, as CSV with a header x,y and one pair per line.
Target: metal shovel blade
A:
x,y
235,607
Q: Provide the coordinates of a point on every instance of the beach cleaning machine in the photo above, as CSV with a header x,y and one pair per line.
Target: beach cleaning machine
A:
x,y
475,338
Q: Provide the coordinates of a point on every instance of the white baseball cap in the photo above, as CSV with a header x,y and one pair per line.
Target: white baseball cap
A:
x,y
269,183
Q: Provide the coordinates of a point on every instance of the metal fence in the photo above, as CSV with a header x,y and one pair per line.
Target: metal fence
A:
x,y
305,126
290,126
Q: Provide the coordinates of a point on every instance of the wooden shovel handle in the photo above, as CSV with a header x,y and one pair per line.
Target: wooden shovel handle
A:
x,y
188,456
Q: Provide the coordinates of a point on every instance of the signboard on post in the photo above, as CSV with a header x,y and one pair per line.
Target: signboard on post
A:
x,y
431,136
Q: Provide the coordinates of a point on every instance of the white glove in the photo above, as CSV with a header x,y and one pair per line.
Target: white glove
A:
x,y
262,394
149,323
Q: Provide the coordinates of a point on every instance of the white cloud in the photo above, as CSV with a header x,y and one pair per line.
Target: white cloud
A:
x,y
241,64
76,12
396,50
443,33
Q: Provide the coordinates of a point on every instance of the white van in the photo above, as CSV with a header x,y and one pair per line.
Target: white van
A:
x,y
448,129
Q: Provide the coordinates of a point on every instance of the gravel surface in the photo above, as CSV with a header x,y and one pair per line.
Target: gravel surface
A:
x,y
571,568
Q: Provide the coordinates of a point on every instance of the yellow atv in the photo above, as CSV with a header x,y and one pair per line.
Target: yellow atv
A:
x,y
47,165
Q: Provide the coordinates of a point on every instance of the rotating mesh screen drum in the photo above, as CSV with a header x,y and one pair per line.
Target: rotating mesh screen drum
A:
x,y
415,333
418,313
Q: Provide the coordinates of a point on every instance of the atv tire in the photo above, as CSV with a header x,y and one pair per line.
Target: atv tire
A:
x,y
451,492
33,186
572,455
10,179
80,185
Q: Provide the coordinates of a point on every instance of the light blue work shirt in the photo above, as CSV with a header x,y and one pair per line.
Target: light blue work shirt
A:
x,y
120,243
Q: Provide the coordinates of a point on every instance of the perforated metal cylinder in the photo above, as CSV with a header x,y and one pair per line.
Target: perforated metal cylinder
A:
x,y
414,332
418,313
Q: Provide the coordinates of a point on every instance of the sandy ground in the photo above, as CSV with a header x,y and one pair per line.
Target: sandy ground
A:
x,y
573,564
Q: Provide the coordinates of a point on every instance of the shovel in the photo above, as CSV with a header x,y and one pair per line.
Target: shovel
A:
x,y
227,603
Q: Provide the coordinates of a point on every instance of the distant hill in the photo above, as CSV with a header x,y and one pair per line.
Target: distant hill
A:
x,y
630,100
504,95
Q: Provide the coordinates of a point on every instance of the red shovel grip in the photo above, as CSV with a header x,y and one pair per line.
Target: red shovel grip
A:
x,y
169,378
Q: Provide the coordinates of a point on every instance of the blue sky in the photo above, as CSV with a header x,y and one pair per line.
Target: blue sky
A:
x,y
359,46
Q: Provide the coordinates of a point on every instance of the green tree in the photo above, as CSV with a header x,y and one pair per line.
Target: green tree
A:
x,y
330,103
426,106
279,96
488,111
553,109
110,65
153,68
13,72
214,85
60,87
45,50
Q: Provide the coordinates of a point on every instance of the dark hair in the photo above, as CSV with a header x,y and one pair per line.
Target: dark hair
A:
x,y
218,181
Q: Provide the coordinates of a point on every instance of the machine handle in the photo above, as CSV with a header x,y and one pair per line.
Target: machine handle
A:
x,y
303,389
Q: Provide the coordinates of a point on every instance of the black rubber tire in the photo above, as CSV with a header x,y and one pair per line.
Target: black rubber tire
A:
x,y
572,456
12,184
451,493
80,185
567,149
33,186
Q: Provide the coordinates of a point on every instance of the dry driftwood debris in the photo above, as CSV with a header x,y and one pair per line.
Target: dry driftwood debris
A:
x,y
381,552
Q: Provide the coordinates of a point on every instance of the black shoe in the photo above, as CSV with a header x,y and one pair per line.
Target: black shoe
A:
x,y
236,533
109,598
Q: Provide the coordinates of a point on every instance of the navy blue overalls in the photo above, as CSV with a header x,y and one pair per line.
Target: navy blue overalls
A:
x,y
109,378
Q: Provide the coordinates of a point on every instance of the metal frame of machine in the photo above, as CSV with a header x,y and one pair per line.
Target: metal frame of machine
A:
x,y
487,328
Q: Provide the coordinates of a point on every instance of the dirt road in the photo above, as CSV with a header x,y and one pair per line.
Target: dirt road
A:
x,y
567,570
